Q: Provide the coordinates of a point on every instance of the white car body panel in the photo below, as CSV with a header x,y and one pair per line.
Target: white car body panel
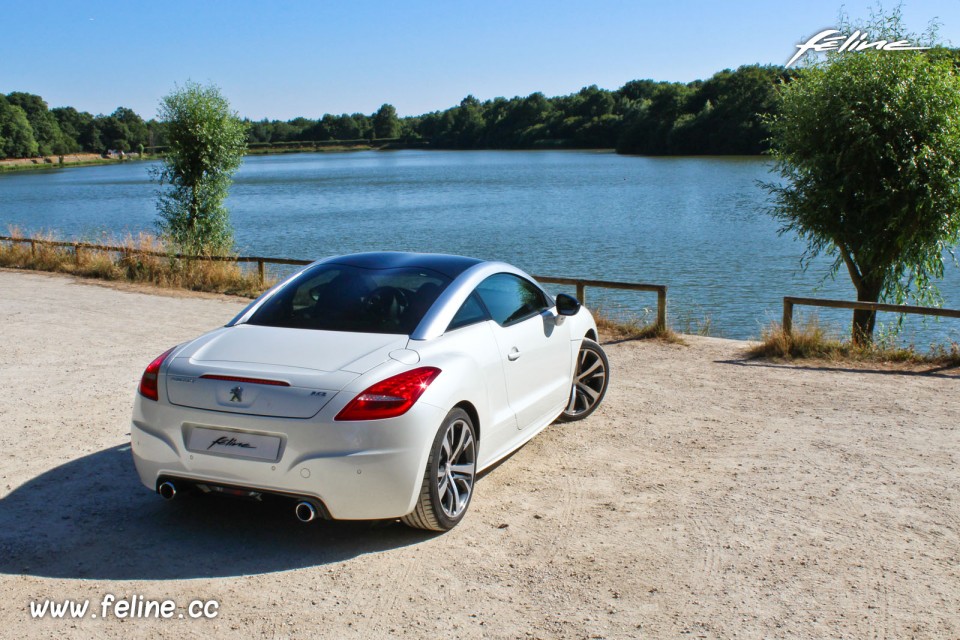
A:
x,y
536,371
473,352
315,350
316,365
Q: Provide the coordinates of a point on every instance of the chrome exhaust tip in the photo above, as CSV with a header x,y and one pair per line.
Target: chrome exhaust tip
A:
x,y
305,512
167,490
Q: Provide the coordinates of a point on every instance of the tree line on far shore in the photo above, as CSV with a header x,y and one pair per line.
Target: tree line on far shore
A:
x,y
722,115
28,128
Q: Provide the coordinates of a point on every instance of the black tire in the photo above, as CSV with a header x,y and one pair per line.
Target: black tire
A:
x,y
441,504
590,380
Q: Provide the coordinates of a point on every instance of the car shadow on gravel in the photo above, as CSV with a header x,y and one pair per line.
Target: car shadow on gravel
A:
x,y
948,371
91,518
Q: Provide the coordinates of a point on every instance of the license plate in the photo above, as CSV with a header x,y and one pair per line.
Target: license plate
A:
x,y
234,443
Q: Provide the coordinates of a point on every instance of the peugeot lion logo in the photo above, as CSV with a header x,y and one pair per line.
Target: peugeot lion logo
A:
x,y
236,394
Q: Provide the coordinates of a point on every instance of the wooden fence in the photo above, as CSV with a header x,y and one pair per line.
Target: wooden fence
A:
x,y
261,262
789,302
581,285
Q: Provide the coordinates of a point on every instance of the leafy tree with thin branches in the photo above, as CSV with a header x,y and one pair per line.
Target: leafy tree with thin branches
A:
x,y
868,145
206,142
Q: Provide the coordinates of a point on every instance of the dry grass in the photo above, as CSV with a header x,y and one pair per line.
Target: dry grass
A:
x,y
632,328
811,341
133,264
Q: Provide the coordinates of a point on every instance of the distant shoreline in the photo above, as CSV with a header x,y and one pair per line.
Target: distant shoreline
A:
x,y
93,159
54,162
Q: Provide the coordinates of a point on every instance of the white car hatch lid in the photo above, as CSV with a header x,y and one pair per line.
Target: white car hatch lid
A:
x,y
270,371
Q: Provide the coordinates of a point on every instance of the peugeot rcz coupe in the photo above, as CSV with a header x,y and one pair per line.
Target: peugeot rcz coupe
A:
x,y
369,386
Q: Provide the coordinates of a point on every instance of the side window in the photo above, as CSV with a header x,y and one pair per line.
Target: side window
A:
x,y
510,299
470,313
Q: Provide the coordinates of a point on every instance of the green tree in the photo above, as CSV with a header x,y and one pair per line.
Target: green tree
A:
x,y
650,122
385,122
364,125
869,146
259,131
206,145
156,134
133,125
115,133
301,127
592,102
46,131
282,131
319,129
71,123
730,109
16,134
91,136
468,123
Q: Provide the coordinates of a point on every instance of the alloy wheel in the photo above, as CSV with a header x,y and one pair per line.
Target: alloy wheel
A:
x,y
589,383
456,469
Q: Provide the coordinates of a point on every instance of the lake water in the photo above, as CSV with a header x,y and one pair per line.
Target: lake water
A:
x,y
697,225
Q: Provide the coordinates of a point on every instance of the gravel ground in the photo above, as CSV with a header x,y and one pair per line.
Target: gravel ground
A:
x,y
710,496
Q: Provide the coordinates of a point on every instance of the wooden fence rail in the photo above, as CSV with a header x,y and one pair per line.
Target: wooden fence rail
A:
x,y
789,302
581,285
261,261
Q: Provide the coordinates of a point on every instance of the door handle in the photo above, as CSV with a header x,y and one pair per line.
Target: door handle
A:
x,y
513,355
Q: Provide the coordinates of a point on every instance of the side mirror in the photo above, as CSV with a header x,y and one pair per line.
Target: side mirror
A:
x,y
567,305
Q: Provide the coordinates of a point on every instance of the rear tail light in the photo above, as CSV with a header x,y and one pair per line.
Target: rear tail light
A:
x,y
148,383
391,397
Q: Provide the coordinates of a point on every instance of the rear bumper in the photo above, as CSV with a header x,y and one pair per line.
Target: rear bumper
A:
x,y
357,470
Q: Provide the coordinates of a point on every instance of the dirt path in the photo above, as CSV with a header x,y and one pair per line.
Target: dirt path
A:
x,y
709,497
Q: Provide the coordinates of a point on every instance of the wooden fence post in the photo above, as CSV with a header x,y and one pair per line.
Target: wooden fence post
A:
x,y
787,316
662,309
582,293
260,277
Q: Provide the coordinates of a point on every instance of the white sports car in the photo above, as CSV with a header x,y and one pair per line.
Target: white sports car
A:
x,y
369,386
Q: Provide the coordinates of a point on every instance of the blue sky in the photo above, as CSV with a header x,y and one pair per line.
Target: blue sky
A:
x,y
287,59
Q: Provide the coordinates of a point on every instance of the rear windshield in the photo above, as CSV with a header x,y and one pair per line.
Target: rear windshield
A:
x,y
336,297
